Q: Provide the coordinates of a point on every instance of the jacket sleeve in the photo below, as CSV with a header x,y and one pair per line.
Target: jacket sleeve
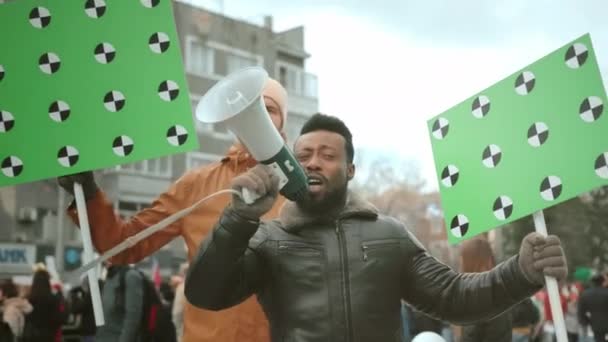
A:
x,y
461,298
134,306
227,269
108,229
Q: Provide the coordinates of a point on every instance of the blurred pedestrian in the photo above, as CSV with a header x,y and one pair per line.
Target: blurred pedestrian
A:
x,y
476,256
122,299
12,312
593,308
42,324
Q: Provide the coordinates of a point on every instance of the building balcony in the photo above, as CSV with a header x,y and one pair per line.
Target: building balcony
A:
x,y
142,180
301,86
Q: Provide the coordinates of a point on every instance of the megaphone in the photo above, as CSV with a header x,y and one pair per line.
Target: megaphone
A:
x,y
237,101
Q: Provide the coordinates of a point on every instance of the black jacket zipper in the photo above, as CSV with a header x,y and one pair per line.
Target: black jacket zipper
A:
x,y
345,281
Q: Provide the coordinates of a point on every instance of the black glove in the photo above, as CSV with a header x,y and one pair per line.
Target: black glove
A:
x,y
86,179
540,257
262,181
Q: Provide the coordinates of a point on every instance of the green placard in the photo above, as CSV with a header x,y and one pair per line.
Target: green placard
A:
x,y
532,140
89,84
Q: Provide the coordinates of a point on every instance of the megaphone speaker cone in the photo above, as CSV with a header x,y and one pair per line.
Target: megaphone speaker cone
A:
x,y
231,95
237,102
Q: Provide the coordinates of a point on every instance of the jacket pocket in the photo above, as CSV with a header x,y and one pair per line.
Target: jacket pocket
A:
x,y
372,248
302,290
301,249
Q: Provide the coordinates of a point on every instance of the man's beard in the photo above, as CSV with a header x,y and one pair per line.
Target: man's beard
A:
x,y
331,203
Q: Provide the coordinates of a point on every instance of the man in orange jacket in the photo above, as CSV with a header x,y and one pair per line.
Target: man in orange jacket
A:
x,y
245,322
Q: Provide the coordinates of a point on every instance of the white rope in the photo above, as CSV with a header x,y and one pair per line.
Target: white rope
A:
x,y
132,240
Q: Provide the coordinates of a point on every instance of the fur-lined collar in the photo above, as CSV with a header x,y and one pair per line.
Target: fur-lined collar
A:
x,y
293,219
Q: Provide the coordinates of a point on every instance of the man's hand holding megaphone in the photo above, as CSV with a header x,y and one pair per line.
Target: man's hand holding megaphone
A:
x,y
260,180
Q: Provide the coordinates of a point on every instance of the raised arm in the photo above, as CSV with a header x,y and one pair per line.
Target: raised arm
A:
x,y
108,229
465,298
227,268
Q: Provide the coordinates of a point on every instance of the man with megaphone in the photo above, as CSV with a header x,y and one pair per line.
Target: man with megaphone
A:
x,y
331,268
245,322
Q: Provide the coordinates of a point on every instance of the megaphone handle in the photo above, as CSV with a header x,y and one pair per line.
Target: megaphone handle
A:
x,y
249,196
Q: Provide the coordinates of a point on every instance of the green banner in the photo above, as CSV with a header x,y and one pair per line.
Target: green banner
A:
x,y
535,139
89,84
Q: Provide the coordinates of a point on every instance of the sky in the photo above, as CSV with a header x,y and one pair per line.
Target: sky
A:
x,y
386,67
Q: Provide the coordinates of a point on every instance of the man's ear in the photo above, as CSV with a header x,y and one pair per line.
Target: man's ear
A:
x,y
283,135
350,171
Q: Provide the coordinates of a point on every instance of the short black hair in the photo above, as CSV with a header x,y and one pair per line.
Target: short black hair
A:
x,y
323,122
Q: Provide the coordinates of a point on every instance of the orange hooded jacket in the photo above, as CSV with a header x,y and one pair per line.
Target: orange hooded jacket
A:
x,y
244,322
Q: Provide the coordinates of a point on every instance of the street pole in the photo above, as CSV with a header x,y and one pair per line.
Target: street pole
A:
x,y
60,243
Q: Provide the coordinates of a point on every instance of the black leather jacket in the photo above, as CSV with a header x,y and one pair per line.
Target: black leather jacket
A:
x,y
342,280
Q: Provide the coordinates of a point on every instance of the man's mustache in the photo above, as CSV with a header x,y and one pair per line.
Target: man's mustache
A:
x,y
317,176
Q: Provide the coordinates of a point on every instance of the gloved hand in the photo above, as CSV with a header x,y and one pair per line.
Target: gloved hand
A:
x,y
262,181
86,179
540,257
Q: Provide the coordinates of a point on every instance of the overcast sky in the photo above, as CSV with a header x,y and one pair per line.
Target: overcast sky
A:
x,y
394,64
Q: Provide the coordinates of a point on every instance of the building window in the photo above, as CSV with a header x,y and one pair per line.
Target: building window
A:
x,y
213,60
160,167
295,122
296,80
235,62
164,166
310,86
233,59
290,78
197,159
200,58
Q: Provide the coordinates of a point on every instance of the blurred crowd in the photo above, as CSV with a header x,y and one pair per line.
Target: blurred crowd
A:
x,y
136,307
584,305
585,312
141,308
